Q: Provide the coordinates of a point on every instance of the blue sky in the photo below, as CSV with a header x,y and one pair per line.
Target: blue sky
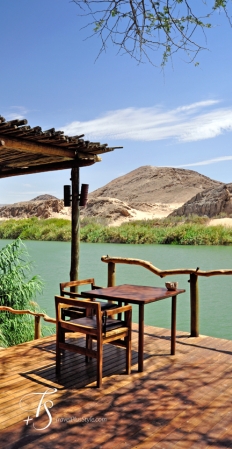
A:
x,y
181,117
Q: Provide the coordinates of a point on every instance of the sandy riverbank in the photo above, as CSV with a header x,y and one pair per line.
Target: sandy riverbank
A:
x,y
221,221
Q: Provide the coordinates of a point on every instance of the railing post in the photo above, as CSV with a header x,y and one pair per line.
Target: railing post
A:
x,y
37,327
194,305
111,274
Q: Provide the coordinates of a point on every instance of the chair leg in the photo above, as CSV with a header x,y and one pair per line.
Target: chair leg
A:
x,y
60,338
88,346
99,363
57,360
128,354
57,357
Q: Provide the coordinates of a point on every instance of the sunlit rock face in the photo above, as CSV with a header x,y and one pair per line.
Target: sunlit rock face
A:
x,y
44,206
211,202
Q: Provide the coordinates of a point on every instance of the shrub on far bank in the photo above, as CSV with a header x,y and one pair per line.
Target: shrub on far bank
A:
x,y
191,230
36,229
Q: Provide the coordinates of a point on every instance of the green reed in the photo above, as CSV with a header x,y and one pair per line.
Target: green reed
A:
x,y
192,230
17,290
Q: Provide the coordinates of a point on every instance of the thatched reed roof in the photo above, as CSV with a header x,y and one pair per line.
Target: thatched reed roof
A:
x,y
25,150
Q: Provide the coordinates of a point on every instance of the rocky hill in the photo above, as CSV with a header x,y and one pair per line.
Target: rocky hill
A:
x,y
149,184
210,202
146,192
143,193
43,206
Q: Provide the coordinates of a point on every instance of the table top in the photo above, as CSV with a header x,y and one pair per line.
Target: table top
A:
x,y
134,294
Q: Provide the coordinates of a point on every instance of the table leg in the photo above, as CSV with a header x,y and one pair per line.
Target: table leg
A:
x,y
173,326
141,337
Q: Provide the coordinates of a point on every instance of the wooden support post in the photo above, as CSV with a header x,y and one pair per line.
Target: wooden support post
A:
x,y
75,243
37,327
194,304
111,274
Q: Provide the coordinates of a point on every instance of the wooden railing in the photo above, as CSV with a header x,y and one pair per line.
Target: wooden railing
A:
x,y
193,273
37,316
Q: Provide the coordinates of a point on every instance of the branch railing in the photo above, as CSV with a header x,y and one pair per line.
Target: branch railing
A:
x,y
193,273
37,316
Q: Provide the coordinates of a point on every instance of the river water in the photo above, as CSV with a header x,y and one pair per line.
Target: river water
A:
x,y
52,263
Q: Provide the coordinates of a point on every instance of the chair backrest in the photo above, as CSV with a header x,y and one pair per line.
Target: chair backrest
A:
x,y
93,309
72,286
95,318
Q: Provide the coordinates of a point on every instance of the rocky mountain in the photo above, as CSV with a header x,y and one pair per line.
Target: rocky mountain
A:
x,y
143,193
210,202
146,192
153,185
44,197
43,206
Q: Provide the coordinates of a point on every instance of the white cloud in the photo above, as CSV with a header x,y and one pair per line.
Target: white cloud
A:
x,y
186,123
208,162
17,112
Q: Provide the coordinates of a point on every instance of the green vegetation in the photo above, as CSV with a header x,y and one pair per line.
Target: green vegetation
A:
x,y
192,230
167,231
18,291
35,229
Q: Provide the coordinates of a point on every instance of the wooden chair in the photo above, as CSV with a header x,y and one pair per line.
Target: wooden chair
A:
x,y
72,286
96,325
68,289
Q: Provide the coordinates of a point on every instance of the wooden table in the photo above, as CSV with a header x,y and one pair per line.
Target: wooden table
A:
x,y
140,295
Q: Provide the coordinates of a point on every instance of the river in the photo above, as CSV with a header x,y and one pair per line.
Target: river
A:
x,y
52,263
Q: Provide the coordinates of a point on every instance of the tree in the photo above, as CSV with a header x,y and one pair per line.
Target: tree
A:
x,y
139,26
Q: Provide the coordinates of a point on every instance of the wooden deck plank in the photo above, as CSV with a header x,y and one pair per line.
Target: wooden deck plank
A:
x,y
181,401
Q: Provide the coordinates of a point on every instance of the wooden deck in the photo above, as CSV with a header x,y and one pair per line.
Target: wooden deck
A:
x,y
182,401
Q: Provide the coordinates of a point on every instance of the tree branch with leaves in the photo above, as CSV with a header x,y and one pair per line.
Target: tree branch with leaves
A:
x,y
138,27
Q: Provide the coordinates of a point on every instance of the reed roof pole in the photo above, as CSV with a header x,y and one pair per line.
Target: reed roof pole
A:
x,y
75,243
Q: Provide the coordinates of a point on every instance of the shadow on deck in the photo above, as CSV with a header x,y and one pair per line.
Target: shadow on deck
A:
x,y
181,401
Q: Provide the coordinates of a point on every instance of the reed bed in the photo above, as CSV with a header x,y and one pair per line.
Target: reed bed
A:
x,y
192,230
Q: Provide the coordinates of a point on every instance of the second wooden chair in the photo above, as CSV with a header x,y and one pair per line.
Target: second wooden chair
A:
x,y
68,289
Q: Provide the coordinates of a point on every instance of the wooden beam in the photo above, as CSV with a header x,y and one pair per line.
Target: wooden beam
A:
x,y
103,150
85,155
45,168
36,148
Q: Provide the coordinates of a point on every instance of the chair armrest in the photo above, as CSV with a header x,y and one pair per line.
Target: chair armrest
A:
x,y
121,309
109,322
